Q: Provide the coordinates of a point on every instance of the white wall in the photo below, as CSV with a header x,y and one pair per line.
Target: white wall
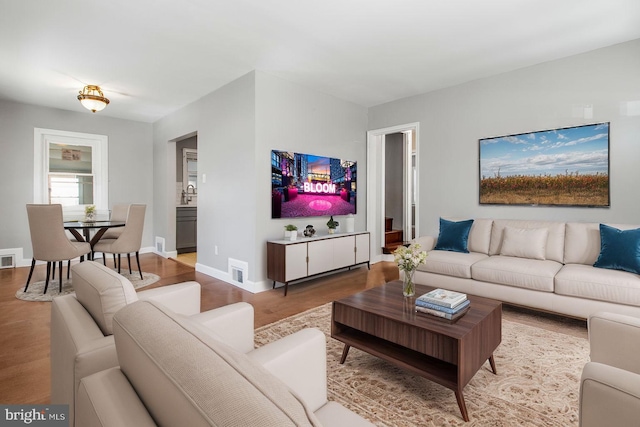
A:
x,y
534,98
130,164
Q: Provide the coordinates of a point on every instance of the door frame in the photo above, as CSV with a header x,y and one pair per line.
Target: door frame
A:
x,y
375,185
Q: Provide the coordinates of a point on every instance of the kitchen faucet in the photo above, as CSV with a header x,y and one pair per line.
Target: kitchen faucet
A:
x,y
186,198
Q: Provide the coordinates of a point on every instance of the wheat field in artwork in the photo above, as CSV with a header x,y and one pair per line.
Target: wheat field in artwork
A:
x,y
561,167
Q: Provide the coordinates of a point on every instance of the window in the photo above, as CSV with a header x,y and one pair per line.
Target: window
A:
x,y
71,169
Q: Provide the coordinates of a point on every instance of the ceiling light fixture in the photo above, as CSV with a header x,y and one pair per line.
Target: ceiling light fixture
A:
x,y
92,98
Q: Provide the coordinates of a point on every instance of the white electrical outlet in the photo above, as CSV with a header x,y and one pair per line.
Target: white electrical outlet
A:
x,y
215,249
204,178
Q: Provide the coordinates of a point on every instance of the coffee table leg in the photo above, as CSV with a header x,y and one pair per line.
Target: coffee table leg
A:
x,y
492,362
345,351
462,405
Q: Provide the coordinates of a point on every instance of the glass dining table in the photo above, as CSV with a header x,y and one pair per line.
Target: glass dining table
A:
x,y
102,226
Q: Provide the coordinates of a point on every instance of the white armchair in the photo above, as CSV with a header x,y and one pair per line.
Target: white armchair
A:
x,y
300,361
174,372
81,324
610,384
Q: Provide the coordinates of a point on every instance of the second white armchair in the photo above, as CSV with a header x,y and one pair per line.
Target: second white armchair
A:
x,y
610,384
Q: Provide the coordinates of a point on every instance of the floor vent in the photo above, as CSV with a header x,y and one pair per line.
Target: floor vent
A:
x,y
238,270
7,261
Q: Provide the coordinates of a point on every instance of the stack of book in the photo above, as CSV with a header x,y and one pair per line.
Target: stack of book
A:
x,y
443,303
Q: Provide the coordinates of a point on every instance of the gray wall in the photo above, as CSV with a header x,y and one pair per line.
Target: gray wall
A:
x,y
130,163
224,121
293,118
541,97
238,126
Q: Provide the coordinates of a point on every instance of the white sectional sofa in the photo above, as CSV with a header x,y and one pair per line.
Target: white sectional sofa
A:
x,y
547,266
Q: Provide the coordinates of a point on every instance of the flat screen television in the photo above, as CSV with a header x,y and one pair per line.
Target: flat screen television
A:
x,y
306,185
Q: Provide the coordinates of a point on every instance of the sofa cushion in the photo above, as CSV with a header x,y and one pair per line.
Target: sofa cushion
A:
x,y
619,249
525,243
555,239
582,241
454,235
519,272
102,292
585,281
449,263
202,381
479,235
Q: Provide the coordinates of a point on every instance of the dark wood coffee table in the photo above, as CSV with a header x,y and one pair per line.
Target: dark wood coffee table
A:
x,y
382,322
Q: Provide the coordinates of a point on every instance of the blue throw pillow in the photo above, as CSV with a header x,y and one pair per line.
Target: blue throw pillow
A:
x,y
619,250
454,235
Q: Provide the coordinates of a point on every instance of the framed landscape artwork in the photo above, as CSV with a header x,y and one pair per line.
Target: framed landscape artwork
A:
x,y
559,167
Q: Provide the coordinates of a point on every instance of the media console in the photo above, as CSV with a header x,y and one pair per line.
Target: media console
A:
x,y
293,260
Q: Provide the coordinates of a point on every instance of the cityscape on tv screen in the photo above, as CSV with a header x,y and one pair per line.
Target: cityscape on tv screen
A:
x,y
304,185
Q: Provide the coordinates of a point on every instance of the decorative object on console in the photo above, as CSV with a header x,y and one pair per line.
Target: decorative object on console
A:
x,y
350,223
559,167
619,249
332,224
305,185
454,235
92,98
290,232
90,213
309,231
408,259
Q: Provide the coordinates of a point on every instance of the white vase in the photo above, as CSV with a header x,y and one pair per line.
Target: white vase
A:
x,y
294,235
287,234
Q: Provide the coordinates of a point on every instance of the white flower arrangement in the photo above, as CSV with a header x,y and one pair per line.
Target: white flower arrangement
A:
x,y
409,257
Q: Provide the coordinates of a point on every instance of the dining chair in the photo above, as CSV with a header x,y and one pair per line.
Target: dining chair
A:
x,y
49,240
129,241
118,213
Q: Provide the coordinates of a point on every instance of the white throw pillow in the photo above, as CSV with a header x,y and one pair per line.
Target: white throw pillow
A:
x,y
525,242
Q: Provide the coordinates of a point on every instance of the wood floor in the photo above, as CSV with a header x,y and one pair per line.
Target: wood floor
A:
x,y
24,326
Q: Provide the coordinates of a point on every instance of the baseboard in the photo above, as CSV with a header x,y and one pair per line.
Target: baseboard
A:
x,y
247,285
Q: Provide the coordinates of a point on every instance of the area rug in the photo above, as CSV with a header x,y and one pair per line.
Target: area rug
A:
x,y
34,292
537,382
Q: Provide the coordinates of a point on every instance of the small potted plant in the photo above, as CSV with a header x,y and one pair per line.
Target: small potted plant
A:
x,y
90,213
332,224
290,232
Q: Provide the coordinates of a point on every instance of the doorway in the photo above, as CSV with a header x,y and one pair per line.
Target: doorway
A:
x,y
399,197
187,199
392,187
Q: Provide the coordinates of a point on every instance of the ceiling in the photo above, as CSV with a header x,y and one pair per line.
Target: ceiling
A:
x,y
153,57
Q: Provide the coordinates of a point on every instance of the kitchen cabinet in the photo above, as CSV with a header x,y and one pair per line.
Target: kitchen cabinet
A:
x,y
186,229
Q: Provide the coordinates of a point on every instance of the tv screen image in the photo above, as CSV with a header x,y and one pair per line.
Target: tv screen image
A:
x,y
306,185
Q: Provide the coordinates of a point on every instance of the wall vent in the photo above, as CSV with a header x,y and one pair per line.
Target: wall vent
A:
x,y
160,244
7,261
238,270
